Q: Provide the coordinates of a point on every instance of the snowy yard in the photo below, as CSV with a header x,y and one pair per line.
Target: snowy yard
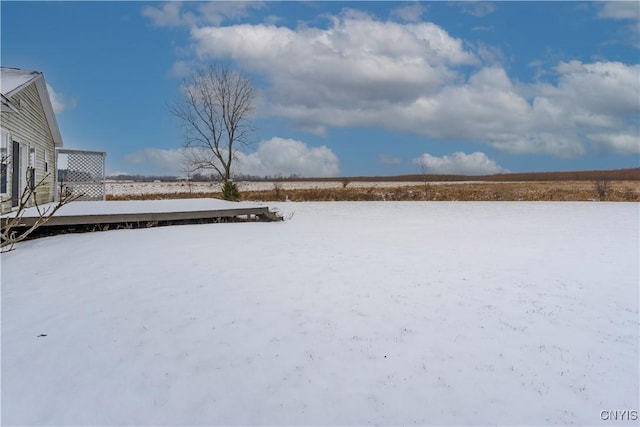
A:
x,y
114,188
347,314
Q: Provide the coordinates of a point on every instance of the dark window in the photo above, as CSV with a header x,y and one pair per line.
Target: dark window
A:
x,y
3,179
32,167
4,161
32,177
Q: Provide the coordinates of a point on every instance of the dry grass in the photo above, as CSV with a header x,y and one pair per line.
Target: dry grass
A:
x,y
626,191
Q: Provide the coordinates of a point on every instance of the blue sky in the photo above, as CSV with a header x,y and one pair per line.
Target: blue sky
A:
x,y
348,88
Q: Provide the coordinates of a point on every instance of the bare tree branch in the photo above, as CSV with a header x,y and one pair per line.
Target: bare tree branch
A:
x,y
214,111
12,223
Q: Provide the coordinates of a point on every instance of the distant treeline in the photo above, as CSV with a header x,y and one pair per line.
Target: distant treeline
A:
x,y
611,175
198,177
143,178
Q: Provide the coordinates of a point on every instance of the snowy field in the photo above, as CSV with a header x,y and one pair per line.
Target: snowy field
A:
x,y
347,314
133,188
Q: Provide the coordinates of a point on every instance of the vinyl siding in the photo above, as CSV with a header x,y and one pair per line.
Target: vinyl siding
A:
x,y
29,127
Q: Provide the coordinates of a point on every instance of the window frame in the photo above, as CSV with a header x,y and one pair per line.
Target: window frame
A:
x,y
5,138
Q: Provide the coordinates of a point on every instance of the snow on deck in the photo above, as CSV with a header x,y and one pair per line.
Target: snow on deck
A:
x,y
139,206
357,313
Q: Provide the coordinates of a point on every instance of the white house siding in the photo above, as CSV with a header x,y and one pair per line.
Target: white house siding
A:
x,y
30,128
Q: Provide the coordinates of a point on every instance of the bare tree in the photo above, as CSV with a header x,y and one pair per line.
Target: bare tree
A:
x,y
11,230
188,171
424,169
277,189
602,188
214,111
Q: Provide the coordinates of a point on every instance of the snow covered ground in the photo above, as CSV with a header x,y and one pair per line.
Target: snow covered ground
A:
x,y
136,206
348,313
131,188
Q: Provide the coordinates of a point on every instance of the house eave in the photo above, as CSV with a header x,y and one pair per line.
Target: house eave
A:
x,y
16,81
48,111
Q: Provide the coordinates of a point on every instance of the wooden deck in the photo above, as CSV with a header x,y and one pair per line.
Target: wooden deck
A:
x,y
77,221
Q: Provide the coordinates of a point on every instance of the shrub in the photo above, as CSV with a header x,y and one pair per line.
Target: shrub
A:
x,y
602,187
277,189
230,191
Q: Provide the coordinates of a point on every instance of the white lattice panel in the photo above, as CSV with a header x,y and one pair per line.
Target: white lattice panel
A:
x,y
83,175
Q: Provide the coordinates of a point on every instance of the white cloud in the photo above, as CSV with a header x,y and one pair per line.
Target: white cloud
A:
x,y
489,54
363,72
459,164
477,8
597,102
273,157
410,13
488,108
482,28
601,87
285,157
175,14
168,15
389,160
620,10
180,69
619,143
58,101
218,12
629,13
589,99
272,19
357,60
155,161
